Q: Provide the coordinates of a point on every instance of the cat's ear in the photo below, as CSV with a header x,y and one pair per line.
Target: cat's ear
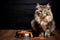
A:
x,y
48,6
37,5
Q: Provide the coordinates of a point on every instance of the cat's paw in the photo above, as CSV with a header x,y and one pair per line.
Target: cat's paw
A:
x,y
47,33
41,34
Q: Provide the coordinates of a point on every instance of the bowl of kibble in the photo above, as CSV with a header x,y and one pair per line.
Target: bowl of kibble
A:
x,y
24,34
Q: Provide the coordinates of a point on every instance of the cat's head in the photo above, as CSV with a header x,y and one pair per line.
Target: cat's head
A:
x,y
43,9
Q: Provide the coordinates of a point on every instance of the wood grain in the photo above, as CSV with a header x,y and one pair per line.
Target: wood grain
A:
x,y
10,35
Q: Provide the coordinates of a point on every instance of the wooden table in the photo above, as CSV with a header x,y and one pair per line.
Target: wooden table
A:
x,y
10,35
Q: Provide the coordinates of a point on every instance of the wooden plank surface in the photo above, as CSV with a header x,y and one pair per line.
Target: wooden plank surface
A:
x,y
10,35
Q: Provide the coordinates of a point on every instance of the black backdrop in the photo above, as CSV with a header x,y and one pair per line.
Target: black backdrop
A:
x,y
17,14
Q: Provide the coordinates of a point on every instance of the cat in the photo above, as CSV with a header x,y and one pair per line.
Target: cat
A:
x,y
43,21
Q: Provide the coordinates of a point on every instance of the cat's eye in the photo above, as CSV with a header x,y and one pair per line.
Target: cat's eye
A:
x,y
40,10
46,13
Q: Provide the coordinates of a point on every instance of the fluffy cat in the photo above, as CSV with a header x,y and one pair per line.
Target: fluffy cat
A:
x,y
43,21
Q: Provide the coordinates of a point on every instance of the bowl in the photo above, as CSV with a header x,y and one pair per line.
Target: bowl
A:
x,y
24,34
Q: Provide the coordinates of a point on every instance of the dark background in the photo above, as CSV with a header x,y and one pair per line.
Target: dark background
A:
x,y
17,14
